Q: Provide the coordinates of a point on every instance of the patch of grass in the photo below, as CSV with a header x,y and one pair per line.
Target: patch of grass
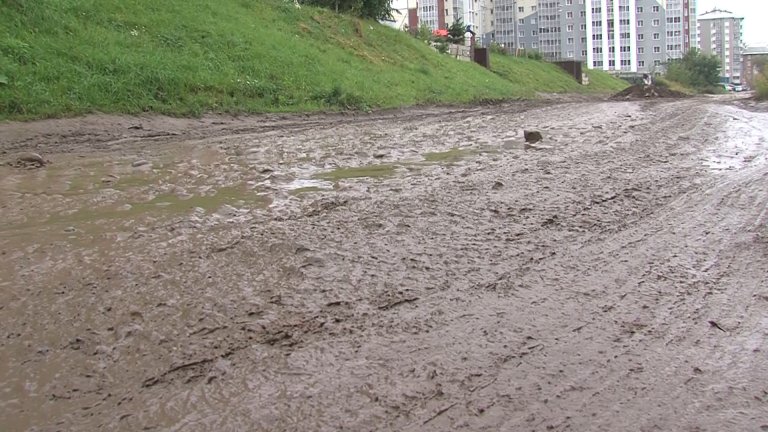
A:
x,y
372,171
603,82
187,57
674,85
530,76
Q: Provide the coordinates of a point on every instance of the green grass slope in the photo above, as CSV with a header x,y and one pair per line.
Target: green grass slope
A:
x,y
529,77
186,57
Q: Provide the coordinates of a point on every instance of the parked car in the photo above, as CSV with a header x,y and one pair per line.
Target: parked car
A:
x,y
738,88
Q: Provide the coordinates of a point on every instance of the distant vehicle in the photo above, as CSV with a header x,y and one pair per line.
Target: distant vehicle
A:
x,y
738,88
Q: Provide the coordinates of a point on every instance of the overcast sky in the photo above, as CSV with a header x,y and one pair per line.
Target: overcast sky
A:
x,y
754,12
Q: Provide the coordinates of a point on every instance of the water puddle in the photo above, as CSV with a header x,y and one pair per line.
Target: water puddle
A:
x,y
453,155
299,186
741,144
457,154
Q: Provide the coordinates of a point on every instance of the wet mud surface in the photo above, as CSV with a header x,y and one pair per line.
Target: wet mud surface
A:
x,y
416,270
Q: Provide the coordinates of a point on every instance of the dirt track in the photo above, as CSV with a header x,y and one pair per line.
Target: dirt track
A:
x,y
612,277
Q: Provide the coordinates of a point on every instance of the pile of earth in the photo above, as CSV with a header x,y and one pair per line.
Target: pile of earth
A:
x,y
641,91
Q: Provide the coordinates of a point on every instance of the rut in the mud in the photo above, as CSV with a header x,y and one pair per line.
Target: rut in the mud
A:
x,y
424,270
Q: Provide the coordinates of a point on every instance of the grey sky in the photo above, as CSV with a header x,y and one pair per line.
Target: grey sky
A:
x,y
754,13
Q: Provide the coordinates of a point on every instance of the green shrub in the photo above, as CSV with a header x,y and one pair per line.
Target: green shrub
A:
x,y
534,55
695,70
761,85
496,48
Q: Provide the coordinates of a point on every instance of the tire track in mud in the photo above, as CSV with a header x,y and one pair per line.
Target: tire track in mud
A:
x,y
575,296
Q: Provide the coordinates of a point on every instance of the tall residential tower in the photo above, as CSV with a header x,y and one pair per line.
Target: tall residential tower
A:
x,y
720,34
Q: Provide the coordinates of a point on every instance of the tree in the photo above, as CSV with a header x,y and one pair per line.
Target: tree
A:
x,y
370,9
456,32
696,70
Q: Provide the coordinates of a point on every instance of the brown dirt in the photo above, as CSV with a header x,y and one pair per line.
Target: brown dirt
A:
x,y
223,274
642,91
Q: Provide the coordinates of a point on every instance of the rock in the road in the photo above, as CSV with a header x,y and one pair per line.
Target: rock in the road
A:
x,y
532,136
28,160
140,163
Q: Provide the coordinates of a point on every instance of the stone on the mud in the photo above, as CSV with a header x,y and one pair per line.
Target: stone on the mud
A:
x,y
532,136
379,155
27,160
498,185
140,163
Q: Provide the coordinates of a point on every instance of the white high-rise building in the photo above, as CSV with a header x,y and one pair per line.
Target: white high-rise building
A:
x,y
626,35
721,34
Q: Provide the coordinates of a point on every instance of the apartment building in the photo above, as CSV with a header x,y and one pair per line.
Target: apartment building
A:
x,y
749,64
614,35
563,30
440,14
432,13
626,35
681,31
721,34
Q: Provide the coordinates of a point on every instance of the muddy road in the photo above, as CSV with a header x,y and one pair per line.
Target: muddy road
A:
x,y
416,270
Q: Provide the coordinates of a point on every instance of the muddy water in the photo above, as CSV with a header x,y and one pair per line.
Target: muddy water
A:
x,y
413,271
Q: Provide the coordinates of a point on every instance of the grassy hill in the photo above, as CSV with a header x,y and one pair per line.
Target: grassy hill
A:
x,y
186,57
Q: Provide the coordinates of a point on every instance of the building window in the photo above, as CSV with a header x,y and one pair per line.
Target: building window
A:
x,y
570,27
533,8
570,41
521,9
521,21
534,32
640,36
569,15
584,39
640,23
656,50
568,2
657,8
656,36
570,54
583,27
583,53
639,9
535,45
657,62
656,23
640,50
533,20
521,33
641,63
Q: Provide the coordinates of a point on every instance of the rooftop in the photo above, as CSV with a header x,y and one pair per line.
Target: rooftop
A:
x,y
755,51
718,14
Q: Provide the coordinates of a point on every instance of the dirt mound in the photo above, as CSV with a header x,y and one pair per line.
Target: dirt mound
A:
x,y
640,91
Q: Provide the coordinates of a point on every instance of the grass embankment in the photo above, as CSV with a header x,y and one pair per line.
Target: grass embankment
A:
x,y
674,85
187,57
529,77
